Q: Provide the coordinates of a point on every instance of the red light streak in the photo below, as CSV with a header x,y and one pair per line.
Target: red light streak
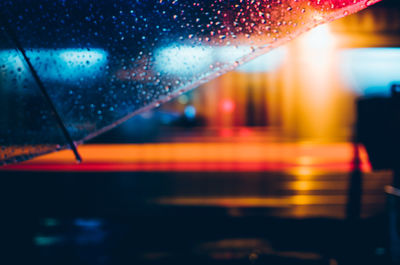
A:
x,y
201,157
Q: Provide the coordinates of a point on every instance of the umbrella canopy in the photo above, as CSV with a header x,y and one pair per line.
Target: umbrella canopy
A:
x,y
70,70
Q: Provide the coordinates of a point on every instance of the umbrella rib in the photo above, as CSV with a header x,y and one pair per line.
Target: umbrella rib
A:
x,y
44,91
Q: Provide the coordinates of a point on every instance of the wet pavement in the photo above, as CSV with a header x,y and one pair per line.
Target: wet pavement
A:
x,y
194,217
156,204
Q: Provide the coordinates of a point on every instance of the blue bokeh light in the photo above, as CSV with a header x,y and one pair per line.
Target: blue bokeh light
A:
x,y
191,60
371,71
183,60
190,112
88,223
59,65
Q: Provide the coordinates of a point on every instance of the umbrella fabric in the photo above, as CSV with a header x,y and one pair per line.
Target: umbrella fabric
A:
x,y
101,62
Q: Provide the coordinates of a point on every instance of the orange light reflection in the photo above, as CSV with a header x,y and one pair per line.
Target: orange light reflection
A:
x,y
240,156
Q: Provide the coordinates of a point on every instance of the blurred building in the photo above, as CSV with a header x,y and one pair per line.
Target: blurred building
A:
x,y
307,89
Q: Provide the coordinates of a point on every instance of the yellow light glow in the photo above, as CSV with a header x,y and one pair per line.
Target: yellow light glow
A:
x,y
302,185
318,38
303,171
305,160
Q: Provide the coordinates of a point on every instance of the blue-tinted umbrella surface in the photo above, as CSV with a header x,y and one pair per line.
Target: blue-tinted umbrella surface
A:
x,y
70,70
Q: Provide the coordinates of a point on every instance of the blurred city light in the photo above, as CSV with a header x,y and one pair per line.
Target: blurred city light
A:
x,y
41,240
88,223
264,63
371,71
319,37
60,65
227,105
183,60
189,60
190,112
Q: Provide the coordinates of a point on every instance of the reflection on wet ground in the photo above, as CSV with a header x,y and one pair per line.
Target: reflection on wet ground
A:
x,y
198,203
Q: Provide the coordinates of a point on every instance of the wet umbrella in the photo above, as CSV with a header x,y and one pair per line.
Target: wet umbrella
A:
x,y
70,70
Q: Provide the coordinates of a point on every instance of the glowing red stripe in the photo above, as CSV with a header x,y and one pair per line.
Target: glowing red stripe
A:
x,y
182,167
